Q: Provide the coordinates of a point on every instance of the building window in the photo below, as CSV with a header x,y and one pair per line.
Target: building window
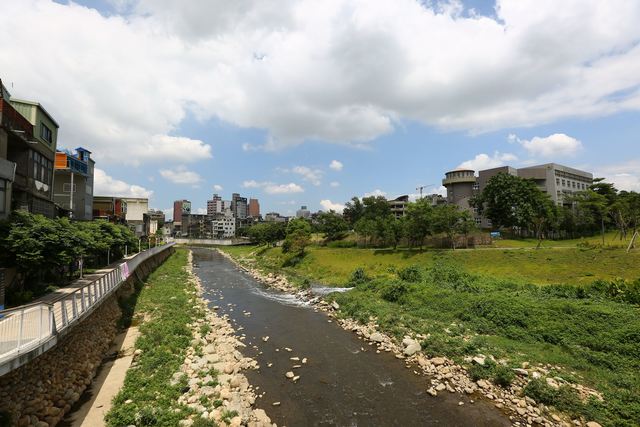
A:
x,y
45,133
3,196
557,181
563,183
66,187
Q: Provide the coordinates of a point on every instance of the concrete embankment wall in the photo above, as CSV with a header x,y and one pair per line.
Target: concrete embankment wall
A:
x,y
41,392
212,242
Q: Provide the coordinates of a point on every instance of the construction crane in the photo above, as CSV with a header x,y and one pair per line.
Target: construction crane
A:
x,y
420,188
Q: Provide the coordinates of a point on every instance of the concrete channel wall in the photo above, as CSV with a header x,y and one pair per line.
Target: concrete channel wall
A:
x,y
42,389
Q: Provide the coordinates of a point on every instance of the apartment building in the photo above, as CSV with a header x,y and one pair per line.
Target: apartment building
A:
x,y
112,209
215,205
73,183
303,212
398,205
254,208
224,227
239,206
28,141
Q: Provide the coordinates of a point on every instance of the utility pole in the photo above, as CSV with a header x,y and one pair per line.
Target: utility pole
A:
x,y
422,187
71,197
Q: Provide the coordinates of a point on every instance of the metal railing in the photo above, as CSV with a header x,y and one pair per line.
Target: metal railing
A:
x,y
27,327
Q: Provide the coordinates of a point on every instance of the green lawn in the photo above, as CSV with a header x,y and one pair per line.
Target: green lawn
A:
x,y
542,266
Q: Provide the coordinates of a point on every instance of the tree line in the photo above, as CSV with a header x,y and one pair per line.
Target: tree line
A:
x,y
511,203
45,250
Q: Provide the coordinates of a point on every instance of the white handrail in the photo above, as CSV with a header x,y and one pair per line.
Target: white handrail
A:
x,y
24,328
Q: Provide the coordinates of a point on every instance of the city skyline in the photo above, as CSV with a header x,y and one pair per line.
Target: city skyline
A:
x,y
293,122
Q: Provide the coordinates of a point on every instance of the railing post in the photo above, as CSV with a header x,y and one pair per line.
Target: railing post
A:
x,y
20,329
83,303
74,308
40,324
65,320
52,319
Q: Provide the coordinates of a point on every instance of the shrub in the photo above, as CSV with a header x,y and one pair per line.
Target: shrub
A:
x,y
452,276
410,274
564,398
394,292
359,276
342,244
499,374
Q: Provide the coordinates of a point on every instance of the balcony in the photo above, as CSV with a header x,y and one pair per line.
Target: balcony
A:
x,y
14,122
7,169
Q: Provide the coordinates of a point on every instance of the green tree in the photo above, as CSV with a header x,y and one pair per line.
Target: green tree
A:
x,y
332,225
375,207
298,236
366,228
419,221
353,211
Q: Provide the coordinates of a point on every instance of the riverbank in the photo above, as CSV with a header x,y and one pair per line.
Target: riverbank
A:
x,y
488,351
187,370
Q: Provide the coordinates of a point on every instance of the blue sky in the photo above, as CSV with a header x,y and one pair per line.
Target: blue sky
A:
x,y
261,100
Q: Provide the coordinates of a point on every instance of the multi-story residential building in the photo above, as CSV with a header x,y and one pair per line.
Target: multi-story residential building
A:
x,y
180,207
137,207
254,208
73,183
214,206
224,227
153,221
197,226
112,209
303,212
28,140
239,206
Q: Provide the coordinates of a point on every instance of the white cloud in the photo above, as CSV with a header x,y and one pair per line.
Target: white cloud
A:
x,y
484,161
272,188
376,192
181,175
556,145
200,211
336,165
328,205
313,176
120,85
105,185
217,187
625,176
334,184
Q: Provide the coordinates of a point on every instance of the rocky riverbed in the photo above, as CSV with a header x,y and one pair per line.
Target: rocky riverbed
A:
x,y
445,375
213,367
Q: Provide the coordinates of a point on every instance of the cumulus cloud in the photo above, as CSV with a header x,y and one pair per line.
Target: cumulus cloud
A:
x,y
336,165
484,161
334,184
272,188
625,176
116,83
181,175
200,211
376,192
217,187
313,176
328,205
105,185
556,145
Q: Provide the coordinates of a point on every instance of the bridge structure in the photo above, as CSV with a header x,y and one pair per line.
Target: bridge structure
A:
x,y
30,330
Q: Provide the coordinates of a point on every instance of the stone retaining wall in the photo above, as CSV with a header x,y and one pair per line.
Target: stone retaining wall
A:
x,y
41,392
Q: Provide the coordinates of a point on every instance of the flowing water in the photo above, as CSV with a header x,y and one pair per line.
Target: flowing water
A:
x,y
344,382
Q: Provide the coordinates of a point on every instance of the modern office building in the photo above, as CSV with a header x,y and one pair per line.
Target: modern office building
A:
x,y
558,181
28,141
254,208
239,206
73,183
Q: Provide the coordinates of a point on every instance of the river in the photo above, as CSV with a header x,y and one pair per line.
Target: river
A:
x,y
344,382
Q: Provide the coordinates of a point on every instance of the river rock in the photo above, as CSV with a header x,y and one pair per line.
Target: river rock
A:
x,y
593,424
377,337
412,348
289,375
438,361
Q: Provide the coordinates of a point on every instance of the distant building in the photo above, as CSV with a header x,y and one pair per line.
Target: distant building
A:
x,y
239,206
215,205
558,181
153,221
73,183
303,212
180,207
137,207
254,208
275,217
197,226
28,141
112,209
224,227
398,205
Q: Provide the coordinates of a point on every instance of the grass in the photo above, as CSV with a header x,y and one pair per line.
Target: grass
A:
x,y
553,307
333,266
164,338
